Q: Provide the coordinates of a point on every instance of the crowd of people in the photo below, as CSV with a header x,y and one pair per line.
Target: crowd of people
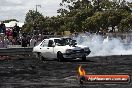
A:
x,y
13,36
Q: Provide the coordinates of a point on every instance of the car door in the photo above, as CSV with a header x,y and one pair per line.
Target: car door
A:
x,y
43,48
50,50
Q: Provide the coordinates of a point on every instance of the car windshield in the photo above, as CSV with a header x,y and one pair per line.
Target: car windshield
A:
x,y
62,42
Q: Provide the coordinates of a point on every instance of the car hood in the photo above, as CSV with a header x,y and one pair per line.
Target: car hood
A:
x,y
82,46
74,47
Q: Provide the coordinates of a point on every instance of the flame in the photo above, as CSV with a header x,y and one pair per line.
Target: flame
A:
x,y
81,71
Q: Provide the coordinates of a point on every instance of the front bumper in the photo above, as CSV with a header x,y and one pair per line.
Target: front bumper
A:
x,y
75,55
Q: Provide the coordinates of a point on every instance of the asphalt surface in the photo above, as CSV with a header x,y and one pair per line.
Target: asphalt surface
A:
x,y
28,72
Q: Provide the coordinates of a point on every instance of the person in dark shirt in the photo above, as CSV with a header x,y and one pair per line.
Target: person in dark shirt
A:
x,y
16,30
24,41
2,28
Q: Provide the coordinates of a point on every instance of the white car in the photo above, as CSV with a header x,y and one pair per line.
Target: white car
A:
x,y
60,48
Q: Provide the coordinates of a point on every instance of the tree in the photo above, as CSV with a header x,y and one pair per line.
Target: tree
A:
x,y
125,24
83,15
34,21
7,21
93,15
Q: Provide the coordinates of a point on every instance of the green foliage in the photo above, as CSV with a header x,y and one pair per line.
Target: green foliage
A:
x,y
7,21
34,20
93,15
84,15
125,24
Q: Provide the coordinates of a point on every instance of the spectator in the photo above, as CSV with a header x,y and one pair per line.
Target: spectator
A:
x,y
2,43
18,41
16,29
33,42
6,41
24,41
28,39
7,32
10,33
13,42
2,28
14,33
10,40
39,39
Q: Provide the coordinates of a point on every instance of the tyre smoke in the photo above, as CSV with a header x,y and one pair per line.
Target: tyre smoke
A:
x,y
101,46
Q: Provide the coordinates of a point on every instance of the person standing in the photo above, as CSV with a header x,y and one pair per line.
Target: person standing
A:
x,y
2,28
16,30
6,42
24,42
33,42
1,42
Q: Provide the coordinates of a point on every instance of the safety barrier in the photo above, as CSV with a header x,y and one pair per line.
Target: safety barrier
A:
x,y
16,51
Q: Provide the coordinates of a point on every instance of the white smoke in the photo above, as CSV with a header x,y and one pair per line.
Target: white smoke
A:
x,y
101,46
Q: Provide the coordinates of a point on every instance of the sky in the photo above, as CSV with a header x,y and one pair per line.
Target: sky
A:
x,y
17,9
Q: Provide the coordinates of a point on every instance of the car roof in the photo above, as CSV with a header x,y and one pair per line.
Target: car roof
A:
x,y
66,37
54,38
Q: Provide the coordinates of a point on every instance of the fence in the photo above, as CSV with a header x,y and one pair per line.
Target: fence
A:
x,y
16,51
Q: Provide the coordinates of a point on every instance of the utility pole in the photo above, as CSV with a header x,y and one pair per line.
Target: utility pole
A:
x,y
37,7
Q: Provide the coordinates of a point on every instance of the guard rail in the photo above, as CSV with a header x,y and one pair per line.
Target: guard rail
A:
x,y
16,51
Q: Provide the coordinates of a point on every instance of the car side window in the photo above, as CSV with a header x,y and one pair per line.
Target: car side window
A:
x,y
50,44
44,44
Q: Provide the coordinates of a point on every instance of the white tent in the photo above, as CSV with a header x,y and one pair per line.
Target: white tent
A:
x,y
12,24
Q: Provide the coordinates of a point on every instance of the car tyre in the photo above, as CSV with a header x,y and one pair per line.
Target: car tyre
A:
x,y
60,56
40,57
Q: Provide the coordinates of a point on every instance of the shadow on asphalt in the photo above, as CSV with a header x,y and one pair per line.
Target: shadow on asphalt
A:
x,y
72,60
78,61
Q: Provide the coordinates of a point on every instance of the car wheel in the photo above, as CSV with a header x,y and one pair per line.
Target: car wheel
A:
x,y
60,56
84,58
40,57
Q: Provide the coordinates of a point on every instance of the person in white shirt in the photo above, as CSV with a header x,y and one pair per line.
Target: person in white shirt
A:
x,y
33,42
